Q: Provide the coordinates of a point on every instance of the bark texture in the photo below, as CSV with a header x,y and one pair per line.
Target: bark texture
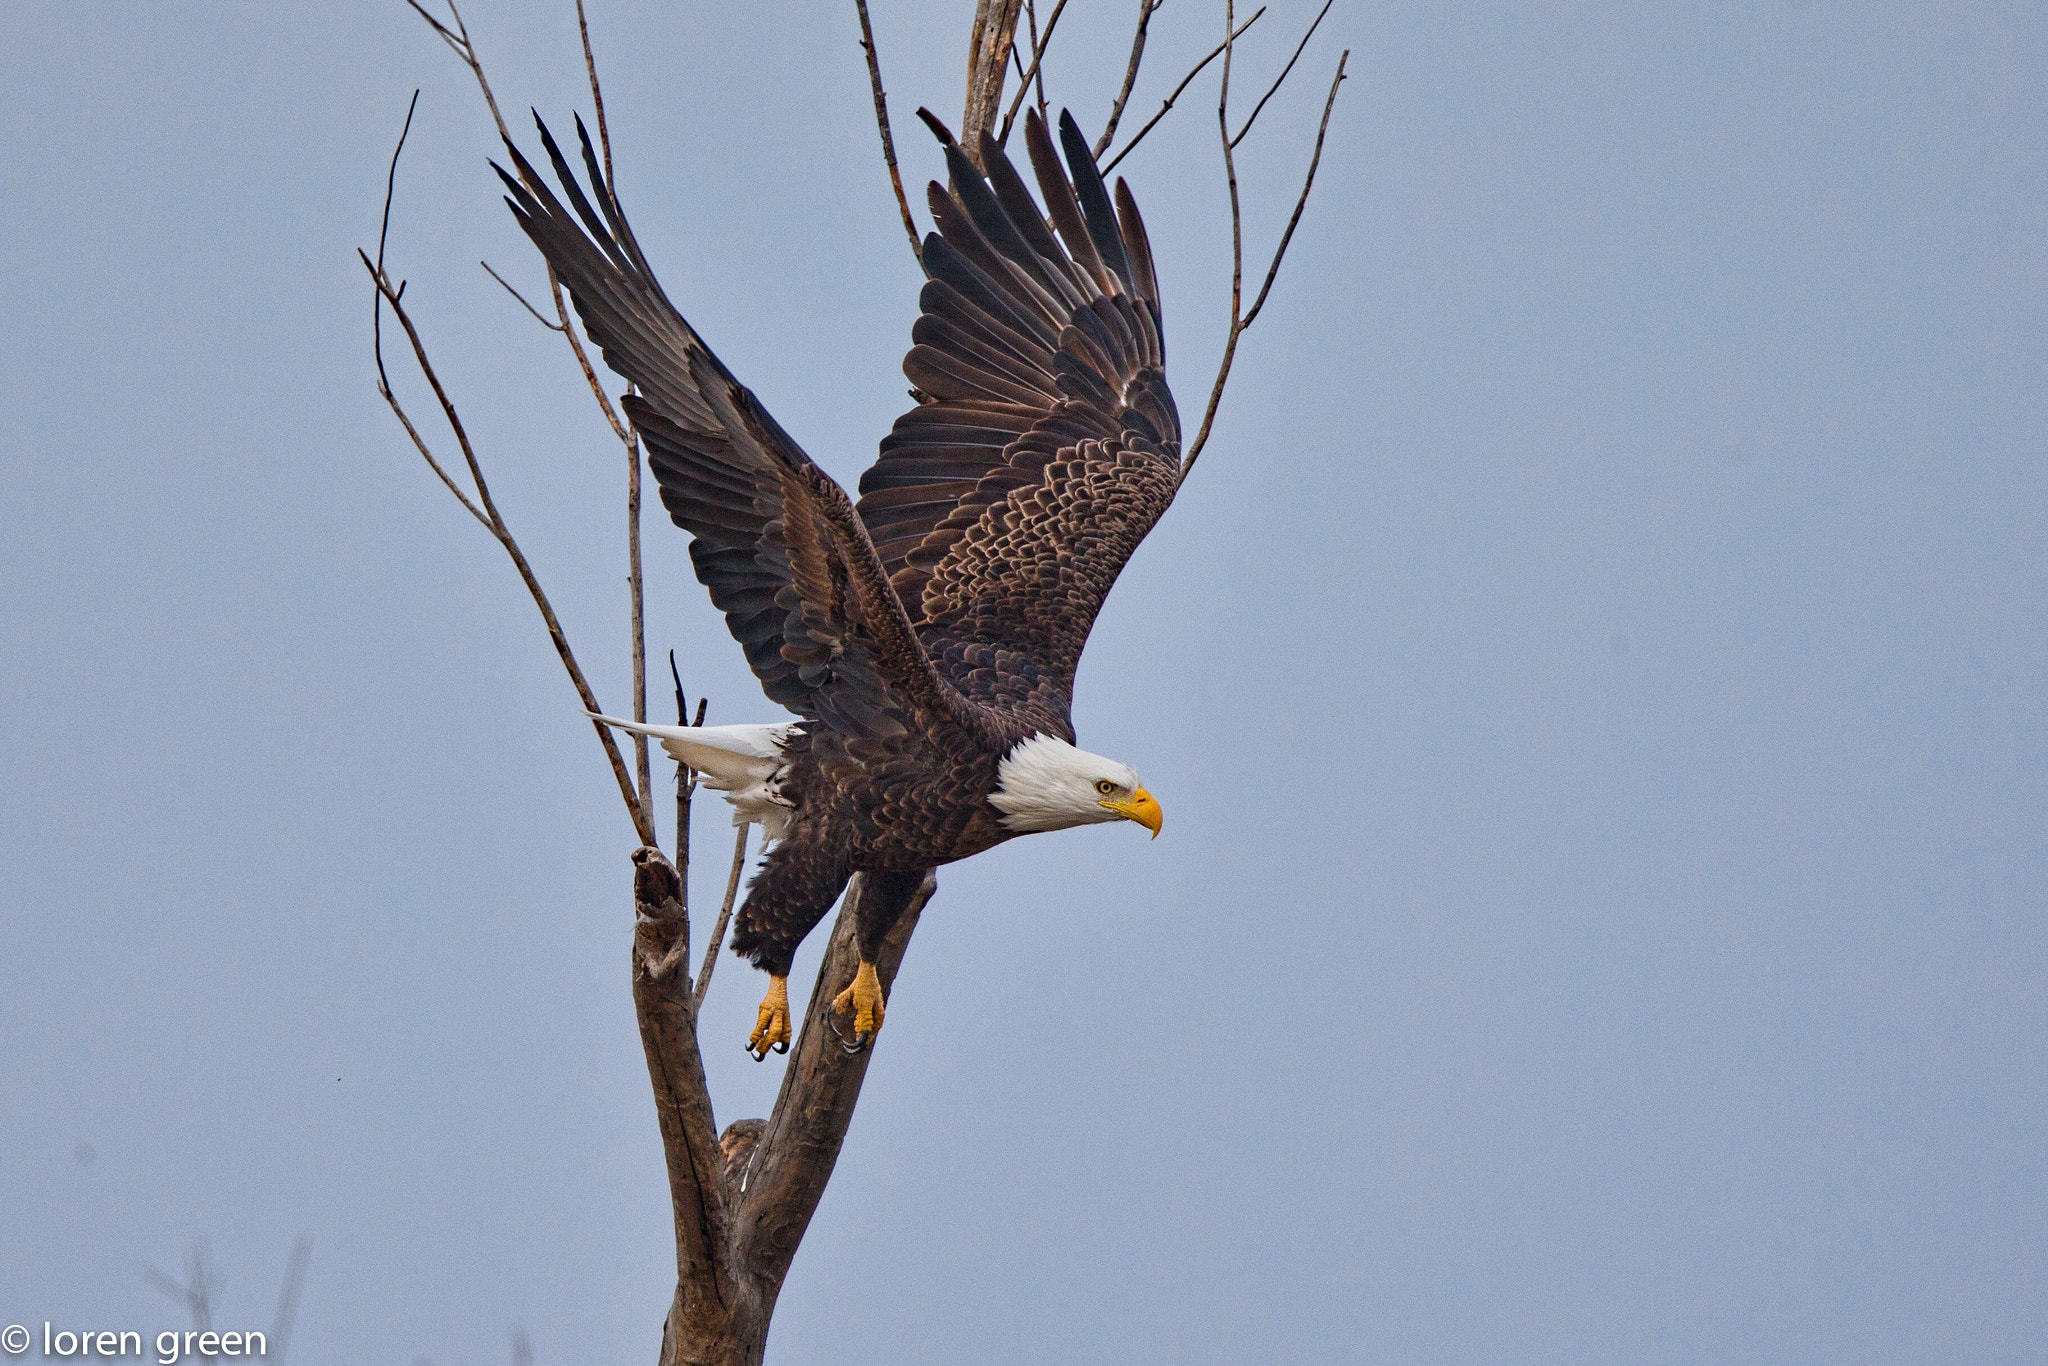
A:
x,y
988,56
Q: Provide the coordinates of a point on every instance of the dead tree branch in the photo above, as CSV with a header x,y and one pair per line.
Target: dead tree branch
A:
x,y
1185,81
867,43
552,327
1146,9
636,583
1301,201
1239,318
717,940
1281,79
604,132
455,33
741,1203
662,1002
482,507
288,1296
1039,43
1037,54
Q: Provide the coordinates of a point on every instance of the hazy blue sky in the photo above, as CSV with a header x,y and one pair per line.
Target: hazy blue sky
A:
x,y
1597,681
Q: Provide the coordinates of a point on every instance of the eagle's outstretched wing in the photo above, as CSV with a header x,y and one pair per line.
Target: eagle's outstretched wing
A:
x,y
773,537
1045,443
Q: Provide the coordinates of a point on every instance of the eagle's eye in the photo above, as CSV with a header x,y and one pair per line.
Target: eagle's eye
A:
x,y
1104,786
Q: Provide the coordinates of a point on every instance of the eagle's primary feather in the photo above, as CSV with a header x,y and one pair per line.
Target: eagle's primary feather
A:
x,y
928,634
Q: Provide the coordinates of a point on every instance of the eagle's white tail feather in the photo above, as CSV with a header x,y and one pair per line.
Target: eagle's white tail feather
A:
x,y
729,757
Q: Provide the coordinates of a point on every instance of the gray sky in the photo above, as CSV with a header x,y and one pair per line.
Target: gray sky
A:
x,y
1595,681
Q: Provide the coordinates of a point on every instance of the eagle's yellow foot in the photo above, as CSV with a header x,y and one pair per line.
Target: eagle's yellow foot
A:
x,y
771,1027
862,1000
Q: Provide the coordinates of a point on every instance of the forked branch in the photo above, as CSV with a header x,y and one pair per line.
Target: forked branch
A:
x,y
1281,79
481,506
552,327
455,33
1185,81
1039,43
1240,317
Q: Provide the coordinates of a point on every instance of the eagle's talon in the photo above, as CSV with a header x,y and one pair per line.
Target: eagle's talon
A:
x,y
846,1045
862,999
771,1025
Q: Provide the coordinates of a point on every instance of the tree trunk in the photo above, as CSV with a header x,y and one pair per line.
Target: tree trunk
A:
x,y
742,1201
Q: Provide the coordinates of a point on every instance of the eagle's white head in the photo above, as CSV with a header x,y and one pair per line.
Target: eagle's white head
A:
x,y
1047,784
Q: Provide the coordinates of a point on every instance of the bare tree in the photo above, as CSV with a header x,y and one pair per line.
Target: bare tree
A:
x,y
742,1199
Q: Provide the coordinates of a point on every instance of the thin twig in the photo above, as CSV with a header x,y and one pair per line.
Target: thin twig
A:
x,y
604,136
867,43
552,327
1239,324
636,583
1116,111
686,777
611,415
420,445
1153,122
1236,251
486,513
1036,76
383,235
1039,43
377,333
1307,184
1282,78
458,40
482,508
732,889
1038,66
637,593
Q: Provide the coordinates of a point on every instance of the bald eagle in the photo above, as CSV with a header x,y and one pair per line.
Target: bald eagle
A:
x,y
927,635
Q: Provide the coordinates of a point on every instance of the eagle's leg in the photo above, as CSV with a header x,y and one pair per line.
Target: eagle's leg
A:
x,y
771,1026
795,887
882,903
862,999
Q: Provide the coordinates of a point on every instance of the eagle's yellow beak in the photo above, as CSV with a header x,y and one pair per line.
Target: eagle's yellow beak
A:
x,y
1141,808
